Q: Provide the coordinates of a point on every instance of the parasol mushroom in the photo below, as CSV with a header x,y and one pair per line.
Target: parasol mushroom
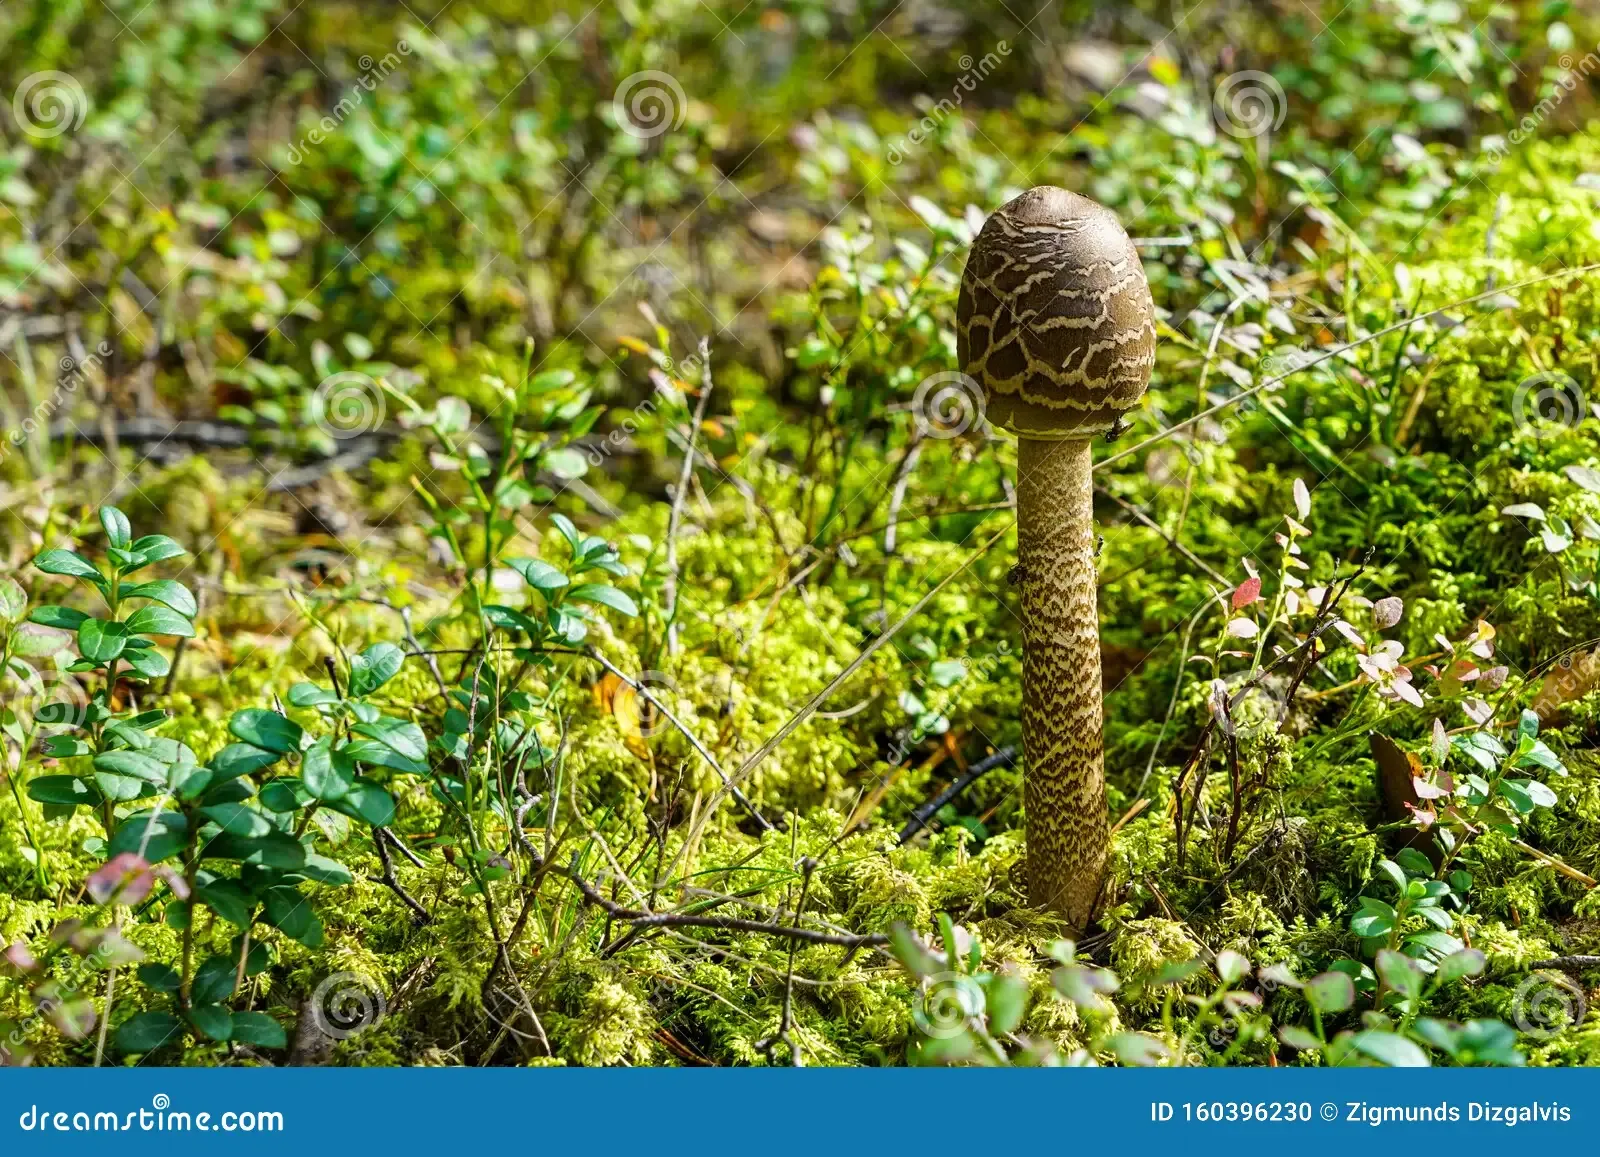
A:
x,y
1056,324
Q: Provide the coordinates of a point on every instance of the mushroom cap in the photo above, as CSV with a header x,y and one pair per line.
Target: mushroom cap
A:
x,y
1055,320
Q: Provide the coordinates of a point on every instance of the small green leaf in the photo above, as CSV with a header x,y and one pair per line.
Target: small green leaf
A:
x,y
161,977
327,774
212,1020
258,1030
266,729
237,819
147,1032
1330,992
156,619
156,547
173,594
238,759
227,899
367,802
69,563
63,789
118,533
100,641
1390,1049
605,595
61,618
374,667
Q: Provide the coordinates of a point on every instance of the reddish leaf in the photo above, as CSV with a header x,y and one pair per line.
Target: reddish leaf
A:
x,y
1249,591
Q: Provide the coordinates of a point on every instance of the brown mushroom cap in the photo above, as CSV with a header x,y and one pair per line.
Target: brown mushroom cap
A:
x,y
1055,320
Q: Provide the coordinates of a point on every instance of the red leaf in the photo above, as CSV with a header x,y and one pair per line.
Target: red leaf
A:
x,y
1249,591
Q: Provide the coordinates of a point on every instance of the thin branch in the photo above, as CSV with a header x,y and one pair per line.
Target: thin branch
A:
x,y
1005,757
675,518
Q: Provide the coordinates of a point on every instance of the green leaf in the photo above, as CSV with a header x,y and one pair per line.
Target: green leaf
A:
x,y
397,734
118,533
157,835
161,977
69,563
310,695
1369,923
367,802
147,1032
323,870
13,600
1459,965
155,548
132,763
286,794
266,729
538,574
212,1020
150,664
227,899
100,641
327,774
1007,1000
1390,1049
214,980
1298,1038
63,789
238,759
1330,992
173,594
237,819
374,667
61,618
1393,872
156,619
1399,972
258,1030
605,595
273,850
569,532
290,913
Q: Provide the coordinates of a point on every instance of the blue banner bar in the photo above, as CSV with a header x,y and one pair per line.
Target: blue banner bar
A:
x,y
404,1111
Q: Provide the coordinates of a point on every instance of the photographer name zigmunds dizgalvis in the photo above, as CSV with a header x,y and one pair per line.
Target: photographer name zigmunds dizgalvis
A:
x,y
1366,1113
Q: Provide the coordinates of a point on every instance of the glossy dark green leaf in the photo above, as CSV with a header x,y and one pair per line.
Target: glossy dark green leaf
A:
x,y
374,667
173,594
118,533
266,729
212,1020
69,563
605,595
367,802
327,774
61,618
238,759
63,789
156,619
147,1032
274,850
161,977
237,819
227,899
214,980
100,641
258,1030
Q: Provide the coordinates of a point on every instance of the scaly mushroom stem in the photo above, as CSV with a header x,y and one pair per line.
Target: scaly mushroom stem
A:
x,y
1064,778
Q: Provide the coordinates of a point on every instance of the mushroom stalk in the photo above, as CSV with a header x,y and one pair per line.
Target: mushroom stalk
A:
x,y
1065,789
